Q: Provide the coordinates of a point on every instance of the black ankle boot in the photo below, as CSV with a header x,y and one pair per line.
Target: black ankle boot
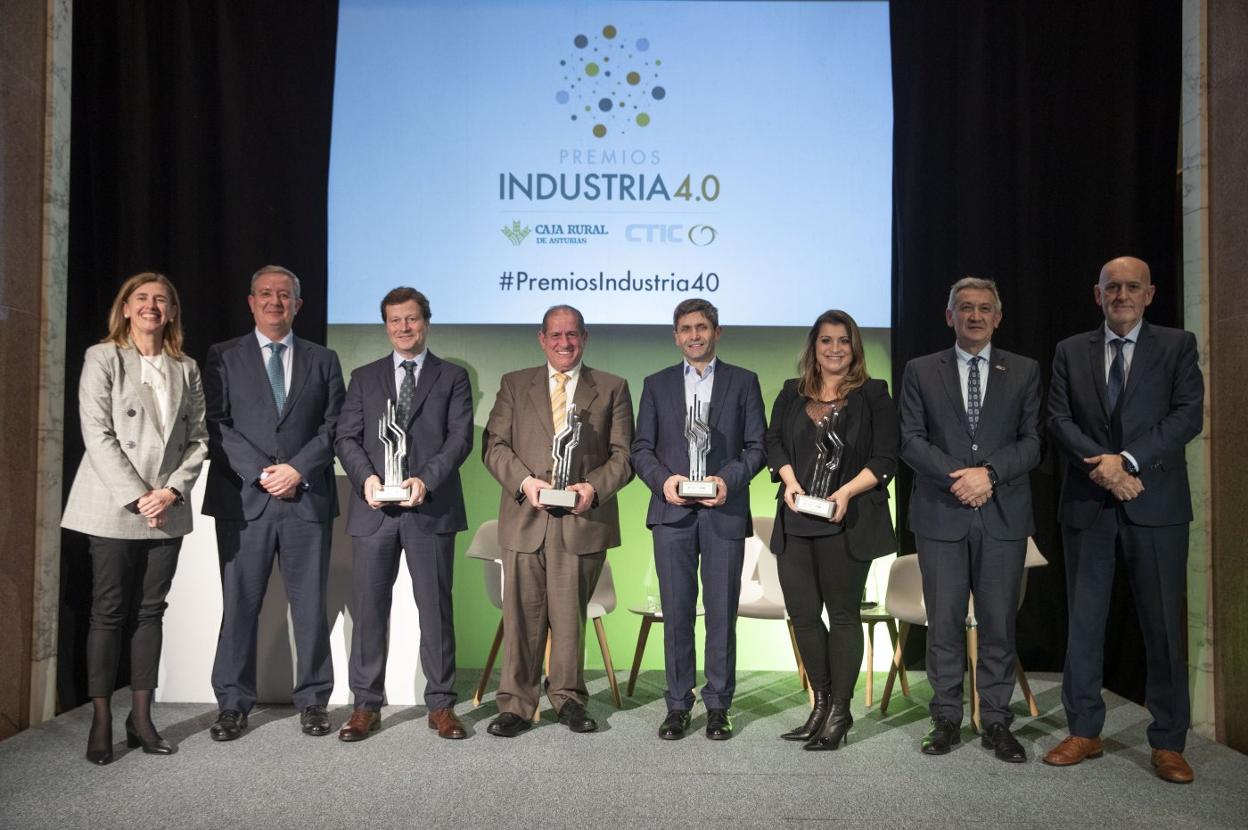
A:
x,y
159,746
835,729
818,714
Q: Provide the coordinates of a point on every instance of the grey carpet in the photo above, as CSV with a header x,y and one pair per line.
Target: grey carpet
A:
x,y
622,776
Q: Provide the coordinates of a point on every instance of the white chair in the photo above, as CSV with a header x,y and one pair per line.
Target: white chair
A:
x,y
761,596
904,600
485,547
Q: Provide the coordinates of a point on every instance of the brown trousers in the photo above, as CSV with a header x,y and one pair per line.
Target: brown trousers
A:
x,y
544,591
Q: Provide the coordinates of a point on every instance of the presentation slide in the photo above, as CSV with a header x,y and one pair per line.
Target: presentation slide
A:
x,y
619,156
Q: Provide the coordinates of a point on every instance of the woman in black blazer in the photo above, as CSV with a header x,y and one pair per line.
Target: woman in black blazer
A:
x,y
824,562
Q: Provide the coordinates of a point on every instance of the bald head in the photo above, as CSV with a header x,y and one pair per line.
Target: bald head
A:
x,y
1124,290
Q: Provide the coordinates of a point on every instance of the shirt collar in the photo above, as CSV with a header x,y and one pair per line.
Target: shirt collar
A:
x,y
964,356
1133,336
710,369
572,373
288,340
419,359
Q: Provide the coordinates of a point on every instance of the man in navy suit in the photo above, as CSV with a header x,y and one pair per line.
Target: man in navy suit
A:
x,y
970,430
712,529
1126,399
272,402
433,403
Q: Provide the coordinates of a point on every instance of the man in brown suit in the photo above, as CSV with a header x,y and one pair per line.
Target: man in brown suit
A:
x,y
552,557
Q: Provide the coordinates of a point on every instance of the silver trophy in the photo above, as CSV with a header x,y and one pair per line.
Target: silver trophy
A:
x,y
394,441
828,451
565,444
698,433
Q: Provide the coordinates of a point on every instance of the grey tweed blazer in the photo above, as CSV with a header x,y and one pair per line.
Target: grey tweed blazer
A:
x,y
126,455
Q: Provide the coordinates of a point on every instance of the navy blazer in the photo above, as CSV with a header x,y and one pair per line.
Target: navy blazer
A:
x,y
871,441
1160,411
936,440
245,434
439,439
737,451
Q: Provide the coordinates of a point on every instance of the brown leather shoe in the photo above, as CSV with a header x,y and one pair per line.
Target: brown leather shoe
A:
x,y
447,724
360,725
1172,767
1072,750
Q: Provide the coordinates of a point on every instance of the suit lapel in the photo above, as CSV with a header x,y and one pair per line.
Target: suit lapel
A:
x,y
301,367
997,378
177,391
1140,360
1096,360
586,389
953,385
428,377
253,364
539,397
133,364
719,391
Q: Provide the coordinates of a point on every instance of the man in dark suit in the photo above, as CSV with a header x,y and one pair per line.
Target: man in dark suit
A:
x,y
433,408
552,557
970,430
714,528
272,402
1125,400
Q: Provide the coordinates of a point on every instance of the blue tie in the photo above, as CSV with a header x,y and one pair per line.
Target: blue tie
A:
x,y
972,394
1117,374
277,375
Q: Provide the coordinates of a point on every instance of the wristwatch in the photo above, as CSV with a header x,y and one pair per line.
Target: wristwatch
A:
x,y
992,474
177,495
1130,468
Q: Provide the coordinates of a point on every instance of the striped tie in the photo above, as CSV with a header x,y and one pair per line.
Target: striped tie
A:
x,y
277,375
972,395
559,401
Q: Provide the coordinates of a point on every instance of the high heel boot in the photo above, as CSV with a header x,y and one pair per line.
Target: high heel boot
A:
x,y
835,731
100,741
818,714
148,737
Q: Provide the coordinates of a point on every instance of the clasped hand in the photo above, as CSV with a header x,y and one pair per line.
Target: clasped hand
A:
x,y
280,480
972,486
1108,472
671,492
583,489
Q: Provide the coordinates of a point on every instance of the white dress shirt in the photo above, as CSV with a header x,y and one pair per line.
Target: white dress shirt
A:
x,y
400,372
702,385
288,354
964,372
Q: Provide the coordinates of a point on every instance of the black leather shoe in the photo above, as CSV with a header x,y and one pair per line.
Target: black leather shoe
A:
x,y
230,725
157,747
674,725
941,738
814,723
835,730
314,720
718,725
508,725
997,737
573,715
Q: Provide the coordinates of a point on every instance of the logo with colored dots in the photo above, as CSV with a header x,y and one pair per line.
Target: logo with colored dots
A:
x,y
610,83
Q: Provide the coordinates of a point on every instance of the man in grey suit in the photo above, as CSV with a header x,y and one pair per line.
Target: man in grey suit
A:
x,y
552,557
1126,399
711,531
432,403
970,421
272,405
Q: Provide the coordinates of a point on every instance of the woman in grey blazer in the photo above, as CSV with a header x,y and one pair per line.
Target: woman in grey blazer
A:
x,y
823,562
141,405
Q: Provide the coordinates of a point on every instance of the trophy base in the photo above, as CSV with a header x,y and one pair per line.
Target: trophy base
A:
x,y
557,498
392,492
697,489
813,506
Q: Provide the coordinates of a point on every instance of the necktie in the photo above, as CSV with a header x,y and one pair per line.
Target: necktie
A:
x,y
407,391
559,401
277,375
1117,374
972,394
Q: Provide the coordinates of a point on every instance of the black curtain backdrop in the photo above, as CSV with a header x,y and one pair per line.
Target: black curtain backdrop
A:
x,y
1033,142
200,149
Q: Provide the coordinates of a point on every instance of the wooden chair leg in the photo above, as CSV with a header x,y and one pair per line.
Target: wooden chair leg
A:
x,y
606,662
896,668
642,635
489,665
797,656
870,663
1026,687
972,661
892,638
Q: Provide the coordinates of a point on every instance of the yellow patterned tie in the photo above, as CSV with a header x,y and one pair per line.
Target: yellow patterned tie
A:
x,y
559,401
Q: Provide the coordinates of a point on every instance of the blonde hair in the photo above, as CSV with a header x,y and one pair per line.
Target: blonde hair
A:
x,y
809,381
119,326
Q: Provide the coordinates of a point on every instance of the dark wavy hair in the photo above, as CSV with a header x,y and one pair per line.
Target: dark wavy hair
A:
x,y
809,383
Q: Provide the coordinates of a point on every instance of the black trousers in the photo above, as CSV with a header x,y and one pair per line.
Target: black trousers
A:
x,y
131,578
816,573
